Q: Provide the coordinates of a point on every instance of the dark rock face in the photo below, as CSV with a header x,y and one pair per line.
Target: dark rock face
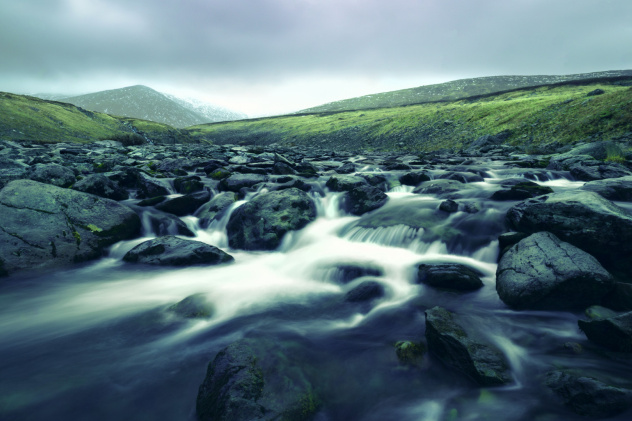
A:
x,y
541,272
521,191
184,205
173,251
253,380
366,291
588,396
100,185
442,188
599,172
584,219
614,333
186,185
148,188
449,206
261,223
194,306
54,174
236,182
459,349
347,168
44,226
345,182
463,177
347,273
619,189
365,198
167,224
215,208
452,276
413,178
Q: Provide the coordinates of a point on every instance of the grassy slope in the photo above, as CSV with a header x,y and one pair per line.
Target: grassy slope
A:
x,y
534,116
25,118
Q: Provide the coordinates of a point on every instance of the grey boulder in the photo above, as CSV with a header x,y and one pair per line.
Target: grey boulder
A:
x,y
174,251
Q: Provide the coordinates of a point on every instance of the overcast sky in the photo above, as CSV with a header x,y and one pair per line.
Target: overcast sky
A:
x,y
274,56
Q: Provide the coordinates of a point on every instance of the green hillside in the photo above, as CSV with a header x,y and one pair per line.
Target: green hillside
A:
x,y
463,88
25,118
534,116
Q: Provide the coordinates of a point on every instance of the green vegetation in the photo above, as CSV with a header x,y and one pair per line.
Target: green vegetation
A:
x,y
25,118
534,117
614,153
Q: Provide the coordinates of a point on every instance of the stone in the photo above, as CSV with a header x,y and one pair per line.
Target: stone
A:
x,y
190,184
619,189
449,206
613,333
184,205
194,306
215,208
521,191
542,272
54,174
347,273
365,291
45,226
100,185
236,182
261,223
413,178
364,198
451,276
345,182
464,351
174,251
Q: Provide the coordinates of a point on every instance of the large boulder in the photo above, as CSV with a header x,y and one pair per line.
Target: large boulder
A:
x,y
345,182
45,226
452,276
521,191
464,350
215,208
173,251
588,396
614,333
184,205
364,198
54,174
100,185
541,272
255,380
585,220
619,189
261,223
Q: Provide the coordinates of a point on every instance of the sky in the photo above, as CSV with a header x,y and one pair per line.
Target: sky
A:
x,y
266,57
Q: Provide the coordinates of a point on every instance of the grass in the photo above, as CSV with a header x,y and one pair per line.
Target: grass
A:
x,y
536,116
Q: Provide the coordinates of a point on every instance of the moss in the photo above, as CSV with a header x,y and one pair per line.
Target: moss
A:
x,y
77,236
93,228
410,353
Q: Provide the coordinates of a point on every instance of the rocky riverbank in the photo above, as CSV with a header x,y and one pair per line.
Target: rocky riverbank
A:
x,y
473,244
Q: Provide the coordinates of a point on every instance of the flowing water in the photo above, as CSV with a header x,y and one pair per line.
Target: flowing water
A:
x,y
96,342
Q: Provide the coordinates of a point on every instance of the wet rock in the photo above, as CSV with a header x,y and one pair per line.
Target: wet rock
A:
x,y
184,205
451,276
261,223
194,306
347,273
152,201
215,208
366,291
255,380
521,191
148,187
219,174
347,168
45,226
236,182
462,350
166,224
449,206
413,178
441,188
345,182
281,168
619,189
190,184
174,251
599,172
588,396
365,198
543,273
410,353
463,177
613,333
100,185
599,312
54,174
507,240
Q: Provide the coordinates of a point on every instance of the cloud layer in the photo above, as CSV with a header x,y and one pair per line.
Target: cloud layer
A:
x,y
250,51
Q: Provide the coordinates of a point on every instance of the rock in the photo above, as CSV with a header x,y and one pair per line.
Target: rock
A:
x,y
173,251
184,205
507,240
364,198
543,273
219,174
54,174
347,168
255,380
461,350
614,333
261,223
463,177
186,185
619,189
410,353
11,169
451,276
345,182
413,178
236,182
215,209
487,142
596,92
152,201
366,291
148,187
599,172
521,191
194,306
347,273
620,298
599,313
449,206
45,226
441,188
585,220
100,185
166,224
588,396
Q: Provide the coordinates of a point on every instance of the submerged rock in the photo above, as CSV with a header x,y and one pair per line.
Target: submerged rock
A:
x,y
45,226
255,380
194,306
461,350
366,291
173,251
261,223
347,273
541,272
452,276
613,332
588,396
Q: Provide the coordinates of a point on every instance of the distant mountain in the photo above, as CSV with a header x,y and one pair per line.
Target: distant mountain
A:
x,y
145,103
458,89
